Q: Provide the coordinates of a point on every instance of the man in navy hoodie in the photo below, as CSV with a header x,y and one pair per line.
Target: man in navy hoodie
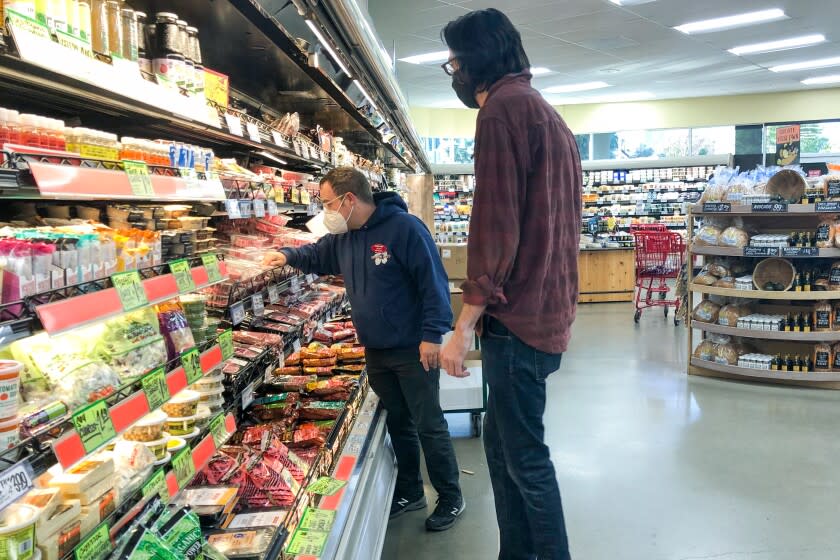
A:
x,y
399,295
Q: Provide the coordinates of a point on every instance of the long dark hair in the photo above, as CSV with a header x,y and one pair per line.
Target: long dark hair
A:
x,y
487,47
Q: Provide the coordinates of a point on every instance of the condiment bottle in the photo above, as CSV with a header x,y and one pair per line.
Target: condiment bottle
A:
x,y
128,20
85,29
72,11
115,28
144,59
99,26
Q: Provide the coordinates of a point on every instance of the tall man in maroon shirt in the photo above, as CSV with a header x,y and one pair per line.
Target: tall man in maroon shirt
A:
x,y
522,286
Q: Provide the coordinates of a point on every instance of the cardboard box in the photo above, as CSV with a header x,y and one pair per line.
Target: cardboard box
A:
x,y
456,300
463,393
454,258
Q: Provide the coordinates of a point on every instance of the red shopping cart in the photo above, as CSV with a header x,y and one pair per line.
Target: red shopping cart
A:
x,y
659,257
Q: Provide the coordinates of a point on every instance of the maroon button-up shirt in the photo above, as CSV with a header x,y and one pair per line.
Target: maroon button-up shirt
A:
x,y
526,218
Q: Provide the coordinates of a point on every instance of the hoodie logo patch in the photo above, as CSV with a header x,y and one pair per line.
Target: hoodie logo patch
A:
x,y
380,254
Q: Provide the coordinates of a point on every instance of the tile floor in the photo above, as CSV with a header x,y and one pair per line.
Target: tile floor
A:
x,y
654,465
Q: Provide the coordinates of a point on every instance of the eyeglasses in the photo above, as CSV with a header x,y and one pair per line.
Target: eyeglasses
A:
x,y
448,67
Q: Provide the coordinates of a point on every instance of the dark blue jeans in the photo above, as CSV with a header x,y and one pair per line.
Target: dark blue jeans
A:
x,y
528,506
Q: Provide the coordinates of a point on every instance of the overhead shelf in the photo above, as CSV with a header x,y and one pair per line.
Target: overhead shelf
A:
x,y
786,252
789,377
822,336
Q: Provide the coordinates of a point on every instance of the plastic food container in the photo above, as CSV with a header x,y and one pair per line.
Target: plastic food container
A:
x,y
215,406
203,416
9,434
183,404
147,429
166,458
211,395
191,435
207,384
175,444
193,222
180,426
9,387
17,530
158,447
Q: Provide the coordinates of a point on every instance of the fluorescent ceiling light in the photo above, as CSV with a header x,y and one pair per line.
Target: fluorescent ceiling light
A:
x,y
614,98
269,156
569,88
808,65
365,93
328,48
740,20
784,44
540,70
428,58
822,80
630,2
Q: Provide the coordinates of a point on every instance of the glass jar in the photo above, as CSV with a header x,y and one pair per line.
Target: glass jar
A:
x,y
143,58
84,20
72,11
129,32
99,26
115,28
166,35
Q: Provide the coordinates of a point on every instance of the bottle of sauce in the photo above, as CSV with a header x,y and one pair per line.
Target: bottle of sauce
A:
x,y
143,57
85,22
198,78
99,26
788,363
115,29
797,282
72,11
169,60
129,33
185,76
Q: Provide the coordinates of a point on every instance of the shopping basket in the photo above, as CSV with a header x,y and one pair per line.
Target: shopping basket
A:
x,y
660,254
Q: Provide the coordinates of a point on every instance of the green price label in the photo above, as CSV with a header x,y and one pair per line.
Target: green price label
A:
x,y
226,344
95,546
130,289
183,467
326,486
211,265
191,360
183,275
317,520
139,178
94,426
218,430
155,387
156,485
307,543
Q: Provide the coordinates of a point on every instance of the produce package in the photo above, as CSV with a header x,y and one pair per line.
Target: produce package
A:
x,y
132,344
175,329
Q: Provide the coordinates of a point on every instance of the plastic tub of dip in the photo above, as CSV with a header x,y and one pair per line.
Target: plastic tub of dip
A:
x,y
211,395
209,383
17,530
180,426
9,387
183,404
175,444
149,428
158,447
9,435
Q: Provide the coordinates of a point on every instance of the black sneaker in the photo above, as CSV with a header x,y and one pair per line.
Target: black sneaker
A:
x,y
400,505
445,515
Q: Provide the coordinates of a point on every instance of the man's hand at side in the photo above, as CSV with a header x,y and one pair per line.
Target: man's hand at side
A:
x,y
429,355
453,354
274,258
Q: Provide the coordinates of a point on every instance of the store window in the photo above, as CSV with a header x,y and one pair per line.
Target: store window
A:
x,y
816,138
712,140
584,141
449,150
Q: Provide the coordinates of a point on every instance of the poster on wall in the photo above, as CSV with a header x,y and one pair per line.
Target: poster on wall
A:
x,y
787,145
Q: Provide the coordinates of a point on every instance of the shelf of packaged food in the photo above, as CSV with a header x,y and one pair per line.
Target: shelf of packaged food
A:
x,y
786,252
67,314
822,336
54,89
667,225
644,191
631,202
763,294
766,374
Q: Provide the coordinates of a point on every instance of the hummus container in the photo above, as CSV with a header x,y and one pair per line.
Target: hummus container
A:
x,y
149,428
158,447
9,434
17,531
9,387
183,404
179,426
191,435
208,384
203,416
211,395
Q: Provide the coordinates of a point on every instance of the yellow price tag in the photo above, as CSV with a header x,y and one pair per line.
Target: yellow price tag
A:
x,y
182,272
191,360
226,344
155,387
95,546
130,289
94,425
211,265
183,466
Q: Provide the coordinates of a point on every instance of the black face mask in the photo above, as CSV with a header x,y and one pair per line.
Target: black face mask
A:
x,y
464,91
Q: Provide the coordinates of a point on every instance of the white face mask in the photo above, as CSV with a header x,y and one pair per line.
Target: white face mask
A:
x,y
334,221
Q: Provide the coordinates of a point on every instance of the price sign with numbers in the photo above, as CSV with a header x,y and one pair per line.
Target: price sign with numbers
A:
x,y
218,430
211,265
273,294
138,177
317,519
234,124
15,482
226,344
271,207
257,305
278,139
130,289
183,466
95,546
307,543
259,208
253,132
237,313
326,486
295,283
191,360
248,394
155,387
183,275
156,485
234,211
94,425
295,195
772,207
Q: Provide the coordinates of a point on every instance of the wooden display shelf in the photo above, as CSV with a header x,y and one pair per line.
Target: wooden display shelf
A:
x,y
606,275
830,253
762,294
747,209
821,336
712,369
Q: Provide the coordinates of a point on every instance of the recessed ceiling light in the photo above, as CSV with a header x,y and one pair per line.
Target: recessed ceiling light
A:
x,y
569,88
728,22
822,80
539,70
808,65
781,45
428,58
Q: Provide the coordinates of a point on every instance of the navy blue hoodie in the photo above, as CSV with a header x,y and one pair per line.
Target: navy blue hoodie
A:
x,y
395,280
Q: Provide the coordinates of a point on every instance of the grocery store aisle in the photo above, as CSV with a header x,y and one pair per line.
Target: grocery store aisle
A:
x,y
657,466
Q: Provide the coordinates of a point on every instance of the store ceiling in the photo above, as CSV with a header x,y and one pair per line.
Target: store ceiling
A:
x,y
633,48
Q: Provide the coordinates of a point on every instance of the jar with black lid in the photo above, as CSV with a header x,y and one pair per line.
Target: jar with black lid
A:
x,y
167,36
183,38
195,48
144,58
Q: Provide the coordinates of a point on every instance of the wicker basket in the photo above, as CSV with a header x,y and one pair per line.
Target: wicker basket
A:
x,y
788,184
780,271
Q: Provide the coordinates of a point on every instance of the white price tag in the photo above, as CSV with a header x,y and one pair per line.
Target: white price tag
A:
x,y
272,207
259,208
297,147
246,208
296,345
237,313
253,132
278,139
15,482
273,294
257,305
234,124
248,394
233,209
295,283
